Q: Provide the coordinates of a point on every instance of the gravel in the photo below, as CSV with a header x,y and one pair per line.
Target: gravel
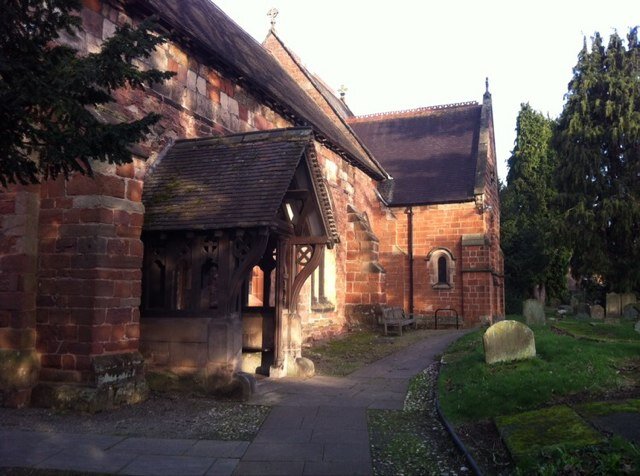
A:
x,y
161,416
413,440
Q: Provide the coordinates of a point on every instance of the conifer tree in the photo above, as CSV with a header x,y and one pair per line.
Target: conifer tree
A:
x,y
598,144
535,262
49,93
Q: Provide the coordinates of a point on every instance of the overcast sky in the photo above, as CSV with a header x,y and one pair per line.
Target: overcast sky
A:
x,y
403,54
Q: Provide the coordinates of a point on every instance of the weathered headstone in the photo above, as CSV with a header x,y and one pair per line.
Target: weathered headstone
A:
x,y
631,312
508,340
583,312
626,299
613,305
533,312
597,312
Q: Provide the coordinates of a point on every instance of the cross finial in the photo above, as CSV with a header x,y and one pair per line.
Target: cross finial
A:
x,y
273,13
487,94
343,90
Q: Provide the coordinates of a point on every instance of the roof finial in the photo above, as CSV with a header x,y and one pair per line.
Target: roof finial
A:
x,y
487,94
343,90
273,13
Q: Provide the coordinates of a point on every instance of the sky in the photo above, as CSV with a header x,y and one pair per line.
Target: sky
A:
x,y
404,54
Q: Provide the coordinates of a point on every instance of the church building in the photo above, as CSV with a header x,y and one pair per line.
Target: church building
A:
x,y
258,215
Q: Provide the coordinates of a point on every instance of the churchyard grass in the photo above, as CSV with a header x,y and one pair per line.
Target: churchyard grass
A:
x,y
582,363
340,357
564,366
623,331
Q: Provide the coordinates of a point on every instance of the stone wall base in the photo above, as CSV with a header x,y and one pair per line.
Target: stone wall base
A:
x,y
18,375
88,398
118,379
364,315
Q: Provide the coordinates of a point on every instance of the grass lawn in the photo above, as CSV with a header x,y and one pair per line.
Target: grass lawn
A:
x,y
342,356
577,362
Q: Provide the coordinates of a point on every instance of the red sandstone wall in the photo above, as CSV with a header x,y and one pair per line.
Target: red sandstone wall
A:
x,y
88,230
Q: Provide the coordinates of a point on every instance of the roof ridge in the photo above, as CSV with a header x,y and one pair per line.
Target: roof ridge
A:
x,y
406,112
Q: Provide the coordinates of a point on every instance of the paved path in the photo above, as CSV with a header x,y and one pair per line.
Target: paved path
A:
x,y
317,427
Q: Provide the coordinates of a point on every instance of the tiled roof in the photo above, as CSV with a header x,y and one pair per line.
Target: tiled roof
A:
x,y
224,182
228,47
431,153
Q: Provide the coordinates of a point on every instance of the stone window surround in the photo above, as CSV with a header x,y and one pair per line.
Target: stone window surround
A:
x,y
432,260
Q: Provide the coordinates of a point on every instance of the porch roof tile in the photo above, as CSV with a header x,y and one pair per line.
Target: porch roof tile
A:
x,y
235,181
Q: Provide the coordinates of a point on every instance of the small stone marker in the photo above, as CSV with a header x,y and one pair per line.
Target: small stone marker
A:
x,y
631,312
533,311
613,305
597,312
508,340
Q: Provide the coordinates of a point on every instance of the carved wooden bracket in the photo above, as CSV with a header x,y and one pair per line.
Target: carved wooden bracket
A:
x,y
308,256
247,248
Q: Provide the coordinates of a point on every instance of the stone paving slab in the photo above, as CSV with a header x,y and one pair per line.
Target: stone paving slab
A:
x,y
154,446
324,468
338,435
92,460
285,435
218,449
152,465
223,467
625,424
269,468
283,452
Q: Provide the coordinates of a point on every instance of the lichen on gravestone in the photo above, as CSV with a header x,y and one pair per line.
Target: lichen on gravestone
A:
x,y
508,340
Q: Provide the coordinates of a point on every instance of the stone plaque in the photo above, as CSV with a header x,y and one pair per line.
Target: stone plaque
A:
x,y
533,311
508,340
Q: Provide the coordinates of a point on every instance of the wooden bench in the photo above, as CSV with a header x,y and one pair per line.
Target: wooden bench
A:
x,y
394,316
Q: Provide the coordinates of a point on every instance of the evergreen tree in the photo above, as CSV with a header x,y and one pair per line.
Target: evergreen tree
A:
x,y
49,93
535,262
598,144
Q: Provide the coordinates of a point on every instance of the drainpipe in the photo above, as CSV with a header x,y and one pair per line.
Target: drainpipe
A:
x,y
409,212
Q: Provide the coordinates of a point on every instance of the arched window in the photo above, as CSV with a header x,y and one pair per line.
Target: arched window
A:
x,y
441,268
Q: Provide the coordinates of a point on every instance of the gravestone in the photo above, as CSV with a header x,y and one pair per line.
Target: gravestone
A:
x,y
508,340
533,312
631,312
613,305
583,312
597,312
637,327
626,299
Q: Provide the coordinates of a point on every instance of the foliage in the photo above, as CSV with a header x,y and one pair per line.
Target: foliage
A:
x,y
535,260
616,457
565,366
598,146
50,96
